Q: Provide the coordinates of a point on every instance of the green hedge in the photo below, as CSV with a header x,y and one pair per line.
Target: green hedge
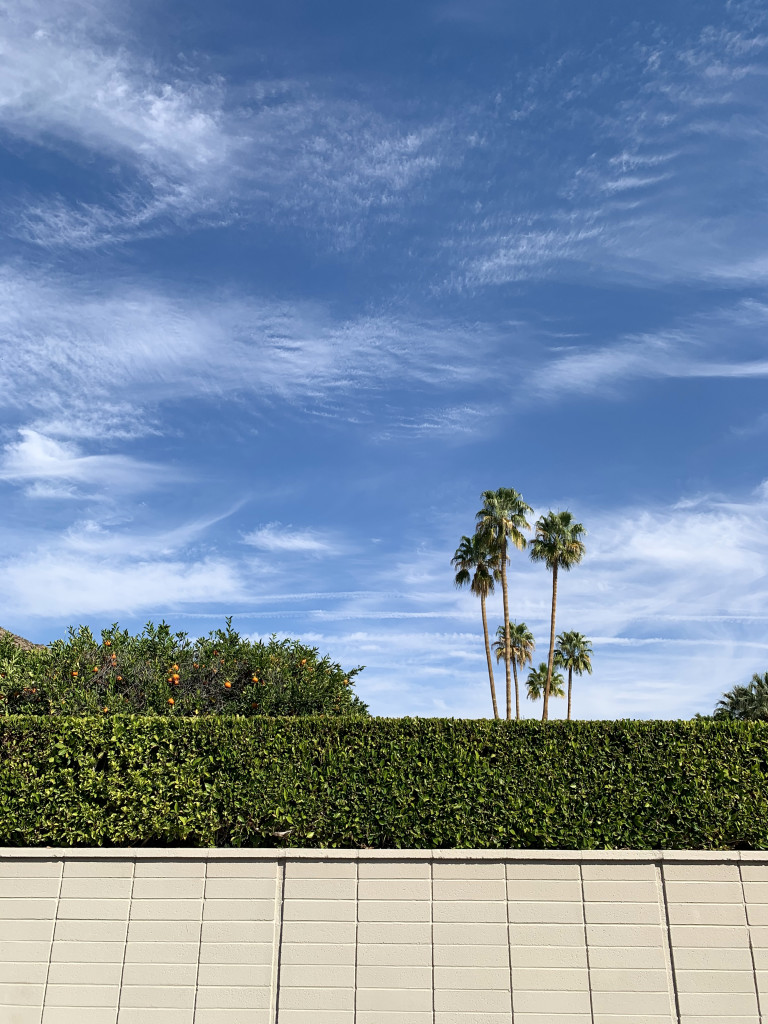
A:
x,y
377,783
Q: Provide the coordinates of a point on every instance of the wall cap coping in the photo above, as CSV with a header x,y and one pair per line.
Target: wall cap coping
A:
x,y
291,854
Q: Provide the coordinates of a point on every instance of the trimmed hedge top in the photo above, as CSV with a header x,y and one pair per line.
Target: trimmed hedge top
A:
x,y
382,783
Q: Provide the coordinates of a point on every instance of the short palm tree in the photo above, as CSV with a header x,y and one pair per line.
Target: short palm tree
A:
x,y
521,647
559,545
573,651
748,702
501,521
477,568
537,681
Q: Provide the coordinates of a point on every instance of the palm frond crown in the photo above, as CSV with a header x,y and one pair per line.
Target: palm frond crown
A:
x,y
476,565
574,651
503,517
521,643
558,541
537,681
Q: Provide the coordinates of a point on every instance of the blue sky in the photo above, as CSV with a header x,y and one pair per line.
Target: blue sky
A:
x,y
286,286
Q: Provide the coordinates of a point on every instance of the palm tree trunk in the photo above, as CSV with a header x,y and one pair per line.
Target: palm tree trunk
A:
x,y
507,651
488,656
570,684
545,713
517,692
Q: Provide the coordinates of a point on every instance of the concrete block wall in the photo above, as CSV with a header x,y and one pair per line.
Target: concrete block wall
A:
x,y
382,937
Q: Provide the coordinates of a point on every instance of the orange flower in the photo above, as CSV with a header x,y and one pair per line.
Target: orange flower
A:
x,y
255,679
74,674
228,684
171,700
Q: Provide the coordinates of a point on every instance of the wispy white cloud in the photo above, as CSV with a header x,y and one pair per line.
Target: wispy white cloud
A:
x,y
284,539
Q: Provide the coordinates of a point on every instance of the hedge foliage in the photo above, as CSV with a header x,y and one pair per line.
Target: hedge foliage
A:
x,y
382,783
159,672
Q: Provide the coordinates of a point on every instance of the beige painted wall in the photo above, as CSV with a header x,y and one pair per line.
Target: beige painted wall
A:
x,y
382,937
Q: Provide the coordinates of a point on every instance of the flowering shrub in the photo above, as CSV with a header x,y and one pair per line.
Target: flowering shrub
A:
x,y
159,672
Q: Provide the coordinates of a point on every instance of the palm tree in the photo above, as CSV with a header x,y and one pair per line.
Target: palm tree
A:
x,y
521,647
573,652
559,545
499,521
539,678
749,703
473,554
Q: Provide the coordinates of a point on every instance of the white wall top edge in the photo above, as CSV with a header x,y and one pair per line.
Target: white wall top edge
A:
x,y
286,853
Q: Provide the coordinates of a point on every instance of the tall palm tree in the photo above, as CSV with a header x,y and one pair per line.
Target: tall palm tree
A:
x,y
478,569
559,545
501,521
537,681
521,647
573,651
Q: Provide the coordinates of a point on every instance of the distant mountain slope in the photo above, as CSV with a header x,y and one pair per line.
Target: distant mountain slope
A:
x,y
26,645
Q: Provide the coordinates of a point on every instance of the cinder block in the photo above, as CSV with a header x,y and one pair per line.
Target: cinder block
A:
x,y
80,1015
30,868
175,888
166,910
27,910
23,973
622,872
757,914
703,892
624,935
153,997
467,1017
85,952
22,1014
289,1016
633,958
166,868
236,953
469,956
639,1018
242,869
318,976
474,871
161,952
715,1004
164,931
393,1017
28,888
236,975
316,999
487,978
549,956
470,933
236,1016
314,953
620,892
628,980
237,931
160,974
241,910
544,913
469,911
550,1003
714,981
24,952
754,872
332,932
394,977
240,888
708,959
622,913
90,931
718,1019
226,997
631,1003
401,1000
712,872
38,930
92,910
319,869
551,934
81,995
85,974
543,870
470,890
161,1015
544,891
759,936
394,889
707,913
551,979
98,868
394,910
96,888
322,889
704,935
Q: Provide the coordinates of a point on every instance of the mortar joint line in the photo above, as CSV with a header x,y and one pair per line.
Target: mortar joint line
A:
x,y
661,882
751,947
277,938
200,940
125,943
432,929
357,941
509,944
586,943
53,939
